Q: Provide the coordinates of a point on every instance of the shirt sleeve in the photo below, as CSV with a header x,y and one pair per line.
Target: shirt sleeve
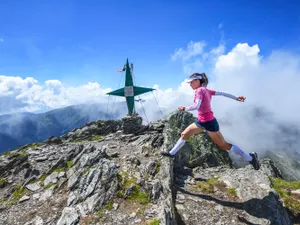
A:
x,y
211,92
226,95
197,101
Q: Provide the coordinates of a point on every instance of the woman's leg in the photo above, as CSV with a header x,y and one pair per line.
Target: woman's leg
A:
x,y
191,130
218,138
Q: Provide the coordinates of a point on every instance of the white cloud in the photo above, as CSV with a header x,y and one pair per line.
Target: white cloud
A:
x,y
270,84
239,56
220,26
193,49
28,95
195,56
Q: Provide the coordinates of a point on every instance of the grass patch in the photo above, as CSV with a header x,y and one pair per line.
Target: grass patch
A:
x,y
2,200
232,192
69,164
100,213
157,169
207,186
59,170
3,182
86,170
109,205
136,194
154,221
80,140
10,153
35,145
101,122
96,138
18,193
284,189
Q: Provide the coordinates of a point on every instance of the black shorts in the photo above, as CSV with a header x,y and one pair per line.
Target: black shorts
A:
x,y
211,125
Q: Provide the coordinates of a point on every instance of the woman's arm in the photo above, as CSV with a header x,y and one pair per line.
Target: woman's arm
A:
x,y
226,95
195,106
239,98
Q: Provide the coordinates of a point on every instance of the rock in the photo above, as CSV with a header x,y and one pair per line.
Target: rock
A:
x,y
232,194
69,217
24,198
131,124
41,159
52,178
111,172
33,187
289,167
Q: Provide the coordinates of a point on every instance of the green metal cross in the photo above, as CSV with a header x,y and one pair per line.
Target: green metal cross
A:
x,y
129,91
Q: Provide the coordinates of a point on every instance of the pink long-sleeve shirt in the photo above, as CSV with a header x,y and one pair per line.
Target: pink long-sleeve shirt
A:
x,y
202,102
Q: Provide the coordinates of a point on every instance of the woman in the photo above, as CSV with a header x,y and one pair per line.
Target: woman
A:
x,y
207,121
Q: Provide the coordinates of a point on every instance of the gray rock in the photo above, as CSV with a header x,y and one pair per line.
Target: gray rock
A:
x,y
24,198
52,178
69,217
289,167
33,187
138,186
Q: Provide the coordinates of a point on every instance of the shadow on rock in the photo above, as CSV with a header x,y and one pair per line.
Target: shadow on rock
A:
x,y
259,208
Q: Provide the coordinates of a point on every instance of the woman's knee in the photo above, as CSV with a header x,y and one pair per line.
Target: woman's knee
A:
x,y
185,135
224,146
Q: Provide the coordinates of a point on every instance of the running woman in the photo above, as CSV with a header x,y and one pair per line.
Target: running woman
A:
x,y
207,121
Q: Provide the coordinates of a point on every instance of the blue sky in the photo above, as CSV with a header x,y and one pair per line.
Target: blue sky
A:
x,y
77,42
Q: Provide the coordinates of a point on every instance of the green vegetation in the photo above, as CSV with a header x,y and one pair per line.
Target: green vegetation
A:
x,y
136,194
207,186
58,170
35,145
10,153
109,205
101,122
18,193
96,138
86,170
157,169
3,182
284,189
99,213
154,221
22,151
69,164
93,138
3,199
232,192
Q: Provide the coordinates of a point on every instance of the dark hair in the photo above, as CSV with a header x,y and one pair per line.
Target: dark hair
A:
x,y
203,81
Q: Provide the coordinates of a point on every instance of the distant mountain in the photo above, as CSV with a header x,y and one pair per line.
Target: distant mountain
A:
x,y
23,128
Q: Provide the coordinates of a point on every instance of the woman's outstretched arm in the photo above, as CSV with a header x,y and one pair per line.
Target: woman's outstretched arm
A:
x,y
239,98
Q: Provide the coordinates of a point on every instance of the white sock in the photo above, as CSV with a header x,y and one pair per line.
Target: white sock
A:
x,y
178,145
240,152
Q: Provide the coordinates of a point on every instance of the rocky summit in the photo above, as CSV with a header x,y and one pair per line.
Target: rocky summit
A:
x,y
111,172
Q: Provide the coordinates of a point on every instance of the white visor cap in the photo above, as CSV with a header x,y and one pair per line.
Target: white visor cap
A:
x,y
194,78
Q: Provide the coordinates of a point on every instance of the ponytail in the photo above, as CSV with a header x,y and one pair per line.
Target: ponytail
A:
x,y
204,80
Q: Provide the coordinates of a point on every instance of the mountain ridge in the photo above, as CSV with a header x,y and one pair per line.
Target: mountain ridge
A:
x,y
111,172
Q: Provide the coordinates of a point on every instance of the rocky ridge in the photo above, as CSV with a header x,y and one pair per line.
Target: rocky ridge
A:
x,y
111,172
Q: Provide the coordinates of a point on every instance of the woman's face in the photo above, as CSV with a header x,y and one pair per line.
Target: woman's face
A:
x,y
195,84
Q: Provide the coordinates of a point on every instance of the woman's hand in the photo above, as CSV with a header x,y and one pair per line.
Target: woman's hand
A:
x,y
181,108
241,98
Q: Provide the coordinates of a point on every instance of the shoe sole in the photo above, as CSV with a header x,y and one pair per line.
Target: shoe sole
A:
x,y
255,165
